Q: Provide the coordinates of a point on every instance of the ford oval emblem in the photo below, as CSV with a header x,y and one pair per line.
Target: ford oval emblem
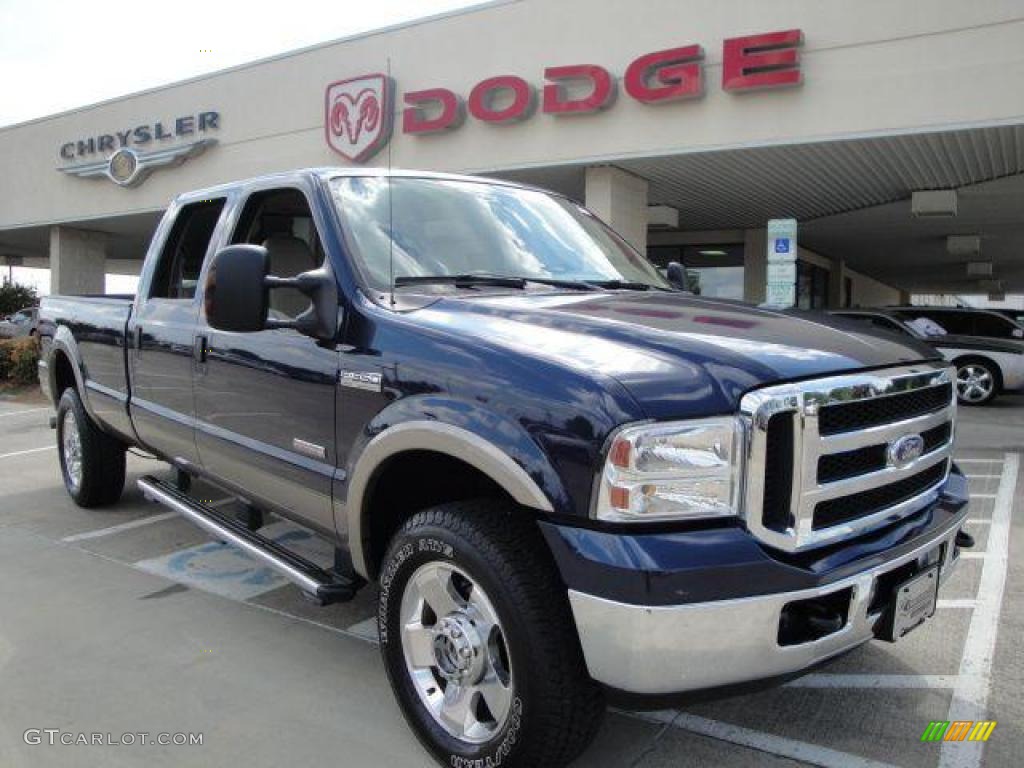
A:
x,y
905,450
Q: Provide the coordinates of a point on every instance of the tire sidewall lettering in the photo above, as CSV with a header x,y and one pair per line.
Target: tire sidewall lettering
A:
x,y
392,584
422,545
504,747
386,579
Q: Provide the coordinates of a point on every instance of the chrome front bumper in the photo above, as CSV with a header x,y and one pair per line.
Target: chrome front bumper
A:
x,y
669,649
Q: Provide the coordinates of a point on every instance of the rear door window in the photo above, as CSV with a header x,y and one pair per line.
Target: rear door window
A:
x,y
181,260
994,326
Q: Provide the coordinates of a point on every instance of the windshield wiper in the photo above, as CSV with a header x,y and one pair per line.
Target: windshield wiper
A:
x,y
622,285
471,279
462,281
573,285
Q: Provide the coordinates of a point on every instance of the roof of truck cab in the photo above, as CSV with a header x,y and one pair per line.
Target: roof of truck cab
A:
x,y
329,172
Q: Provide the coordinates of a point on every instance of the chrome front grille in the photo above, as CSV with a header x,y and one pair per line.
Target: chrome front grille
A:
x,y
820,453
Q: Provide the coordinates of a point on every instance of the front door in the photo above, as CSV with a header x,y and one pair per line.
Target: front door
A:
x,y
162,331
265,401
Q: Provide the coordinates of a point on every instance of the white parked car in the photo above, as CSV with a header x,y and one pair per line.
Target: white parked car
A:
x,y
985,365
24,322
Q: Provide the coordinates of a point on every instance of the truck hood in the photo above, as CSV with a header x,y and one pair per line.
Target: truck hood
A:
x,y
677,355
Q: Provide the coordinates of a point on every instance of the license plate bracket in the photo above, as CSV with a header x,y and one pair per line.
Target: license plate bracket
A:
x,y
912,603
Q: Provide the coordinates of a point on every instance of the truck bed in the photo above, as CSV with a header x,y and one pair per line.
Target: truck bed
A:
x,y
93,329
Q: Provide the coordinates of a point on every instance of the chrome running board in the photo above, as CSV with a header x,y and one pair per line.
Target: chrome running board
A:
x,y
320,585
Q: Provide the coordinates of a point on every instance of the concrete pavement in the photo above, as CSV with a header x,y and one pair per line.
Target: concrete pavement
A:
x,y
129,620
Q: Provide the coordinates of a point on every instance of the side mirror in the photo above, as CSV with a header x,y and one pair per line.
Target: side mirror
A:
x,y
676,275
235,294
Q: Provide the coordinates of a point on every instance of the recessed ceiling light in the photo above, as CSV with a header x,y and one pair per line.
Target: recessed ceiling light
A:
x,y
712,253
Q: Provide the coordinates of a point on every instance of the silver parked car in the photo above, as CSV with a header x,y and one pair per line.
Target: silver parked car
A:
x,y
985,365
24,322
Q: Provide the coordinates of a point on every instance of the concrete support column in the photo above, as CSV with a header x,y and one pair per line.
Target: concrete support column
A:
x,y
620,199
78,261
836,277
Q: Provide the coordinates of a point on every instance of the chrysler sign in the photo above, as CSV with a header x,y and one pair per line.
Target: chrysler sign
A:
x,y
358,109
126,157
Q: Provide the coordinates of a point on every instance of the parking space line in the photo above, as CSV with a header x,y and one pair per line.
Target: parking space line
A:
x,y
311,622
366,628
22,413
962,603
982,477
978,521
130,525
974,555
983,495
979,461
22,453
970,697
874,681
762,742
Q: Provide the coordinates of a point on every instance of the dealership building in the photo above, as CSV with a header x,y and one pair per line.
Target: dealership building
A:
x,y
892,132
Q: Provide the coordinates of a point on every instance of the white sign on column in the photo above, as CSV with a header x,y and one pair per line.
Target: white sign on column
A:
x,y
781,242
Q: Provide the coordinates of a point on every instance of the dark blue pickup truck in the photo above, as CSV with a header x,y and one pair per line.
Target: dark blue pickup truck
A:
x,y
568,479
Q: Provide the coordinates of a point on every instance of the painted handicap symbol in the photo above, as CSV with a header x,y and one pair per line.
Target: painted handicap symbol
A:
x,y
222,562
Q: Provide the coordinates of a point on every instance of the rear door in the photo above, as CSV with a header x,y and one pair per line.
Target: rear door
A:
x,y
265,401
162,331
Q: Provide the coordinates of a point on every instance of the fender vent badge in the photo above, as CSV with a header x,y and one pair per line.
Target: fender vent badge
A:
x,y
371,382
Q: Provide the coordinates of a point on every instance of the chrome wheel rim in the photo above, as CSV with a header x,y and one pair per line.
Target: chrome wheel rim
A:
x,y
455,652
72,449
974,383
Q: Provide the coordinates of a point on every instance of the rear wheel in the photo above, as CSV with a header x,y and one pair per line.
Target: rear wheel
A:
x,y
479,641
92,462
977,382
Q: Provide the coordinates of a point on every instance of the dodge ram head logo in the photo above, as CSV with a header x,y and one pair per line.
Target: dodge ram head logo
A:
x,y
358,116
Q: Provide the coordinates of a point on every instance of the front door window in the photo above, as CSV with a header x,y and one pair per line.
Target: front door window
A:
x,y
715,270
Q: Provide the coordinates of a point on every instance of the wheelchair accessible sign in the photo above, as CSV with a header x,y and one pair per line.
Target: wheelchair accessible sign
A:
x,y
781,288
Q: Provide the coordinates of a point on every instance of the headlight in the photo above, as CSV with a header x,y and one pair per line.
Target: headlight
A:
x,y
675,471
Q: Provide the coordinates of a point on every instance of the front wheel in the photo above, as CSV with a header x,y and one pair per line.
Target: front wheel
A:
x,y
479,642
92,462
977,382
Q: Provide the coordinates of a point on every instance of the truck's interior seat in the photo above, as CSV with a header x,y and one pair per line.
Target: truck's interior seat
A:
x,y
289,256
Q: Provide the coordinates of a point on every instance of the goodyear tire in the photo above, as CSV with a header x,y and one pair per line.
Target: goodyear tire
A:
x,y
479,642
92,463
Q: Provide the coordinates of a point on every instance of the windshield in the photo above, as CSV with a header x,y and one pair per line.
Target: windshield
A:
x,y
441,227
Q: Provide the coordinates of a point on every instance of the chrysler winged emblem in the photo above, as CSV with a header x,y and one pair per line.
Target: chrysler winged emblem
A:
x,y
129,167
357,119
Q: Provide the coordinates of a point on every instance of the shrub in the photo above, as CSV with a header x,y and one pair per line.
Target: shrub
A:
x,y
18,360
14,297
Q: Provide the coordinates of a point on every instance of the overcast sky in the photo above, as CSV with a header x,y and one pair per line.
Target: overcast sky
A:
x,y
59,54
56,55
